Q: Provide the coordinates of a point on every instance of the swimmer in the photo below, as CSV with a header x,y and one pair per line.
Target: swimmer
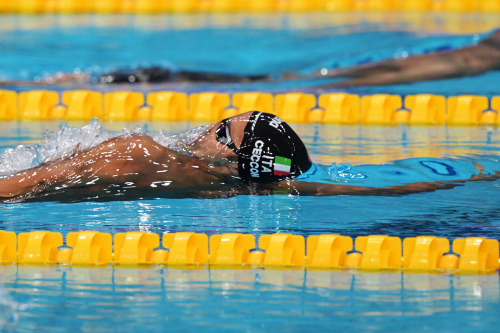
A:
x,y
467,61
254,153
155,74
225,158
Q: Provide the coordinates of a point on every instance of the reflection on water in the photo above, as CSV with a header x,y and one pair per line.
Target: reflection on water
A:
x,y
8,310
98,300
382,144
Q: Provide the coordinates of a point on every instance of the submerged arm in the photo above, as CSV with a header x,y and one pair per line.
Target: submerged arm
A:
x,y
323,189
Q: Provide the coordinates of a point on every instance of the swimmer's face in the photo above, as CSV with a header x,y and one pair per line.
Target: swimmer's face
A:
x,y
209,147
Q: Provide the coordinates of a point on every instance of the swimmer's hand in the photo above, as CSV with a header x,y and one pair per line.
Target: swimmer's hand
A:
x,y
61,77
58,78
468,61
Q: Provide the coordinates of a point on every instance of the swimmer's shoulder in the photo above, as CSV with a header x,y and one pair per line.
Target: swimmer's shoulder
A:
x,y
143,143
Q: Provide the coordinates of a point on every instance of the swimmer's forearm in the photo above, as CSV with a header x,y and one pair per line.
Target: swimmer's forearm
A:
x,y
322,189
34,180
418,68
20,184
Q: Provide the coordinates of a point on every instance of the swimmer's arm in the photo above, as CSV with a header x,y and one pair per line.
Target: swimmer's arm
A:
x,y
472,60
137,161
323,189
31,181
58,78
62,173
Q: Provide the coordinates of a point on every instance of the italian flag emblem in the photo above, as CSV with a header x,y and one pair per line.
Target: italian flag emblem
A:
x,y
282,166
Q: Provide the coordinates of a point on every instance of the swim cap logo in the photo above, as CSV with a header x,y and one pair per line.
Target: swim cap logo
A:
x,y
275,122
282,166
258,157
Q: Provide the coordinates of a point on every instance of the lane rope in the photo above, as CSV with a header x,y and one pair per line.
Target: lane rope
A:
x,y
472,255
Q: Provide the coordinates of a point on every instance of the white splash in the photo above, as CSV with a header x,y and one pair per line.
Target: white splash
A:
x,y
64,142
181,140
17,159
56,145
342,172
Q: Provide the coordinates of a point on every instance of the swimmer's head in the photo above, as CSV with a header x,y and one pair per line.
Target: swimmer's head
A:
x,y
258,147
270,151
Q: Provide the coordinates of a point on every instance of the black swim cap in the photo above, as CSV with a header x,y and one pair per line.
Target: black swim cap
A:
x,y
271,151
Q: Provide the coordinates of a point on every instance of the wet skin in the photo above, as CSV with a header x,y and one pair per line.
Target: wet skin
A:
x,y
467,61
127,168
134,166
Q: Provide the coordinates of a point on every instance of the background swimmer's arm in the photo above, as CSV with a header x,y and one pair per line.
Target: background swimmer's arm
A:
x,y
472,60
58,78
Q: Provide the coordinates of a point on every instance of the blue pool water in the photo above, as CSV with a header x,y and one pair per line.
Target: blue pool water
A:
x,y
58,299
124,300
34,47
391,153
